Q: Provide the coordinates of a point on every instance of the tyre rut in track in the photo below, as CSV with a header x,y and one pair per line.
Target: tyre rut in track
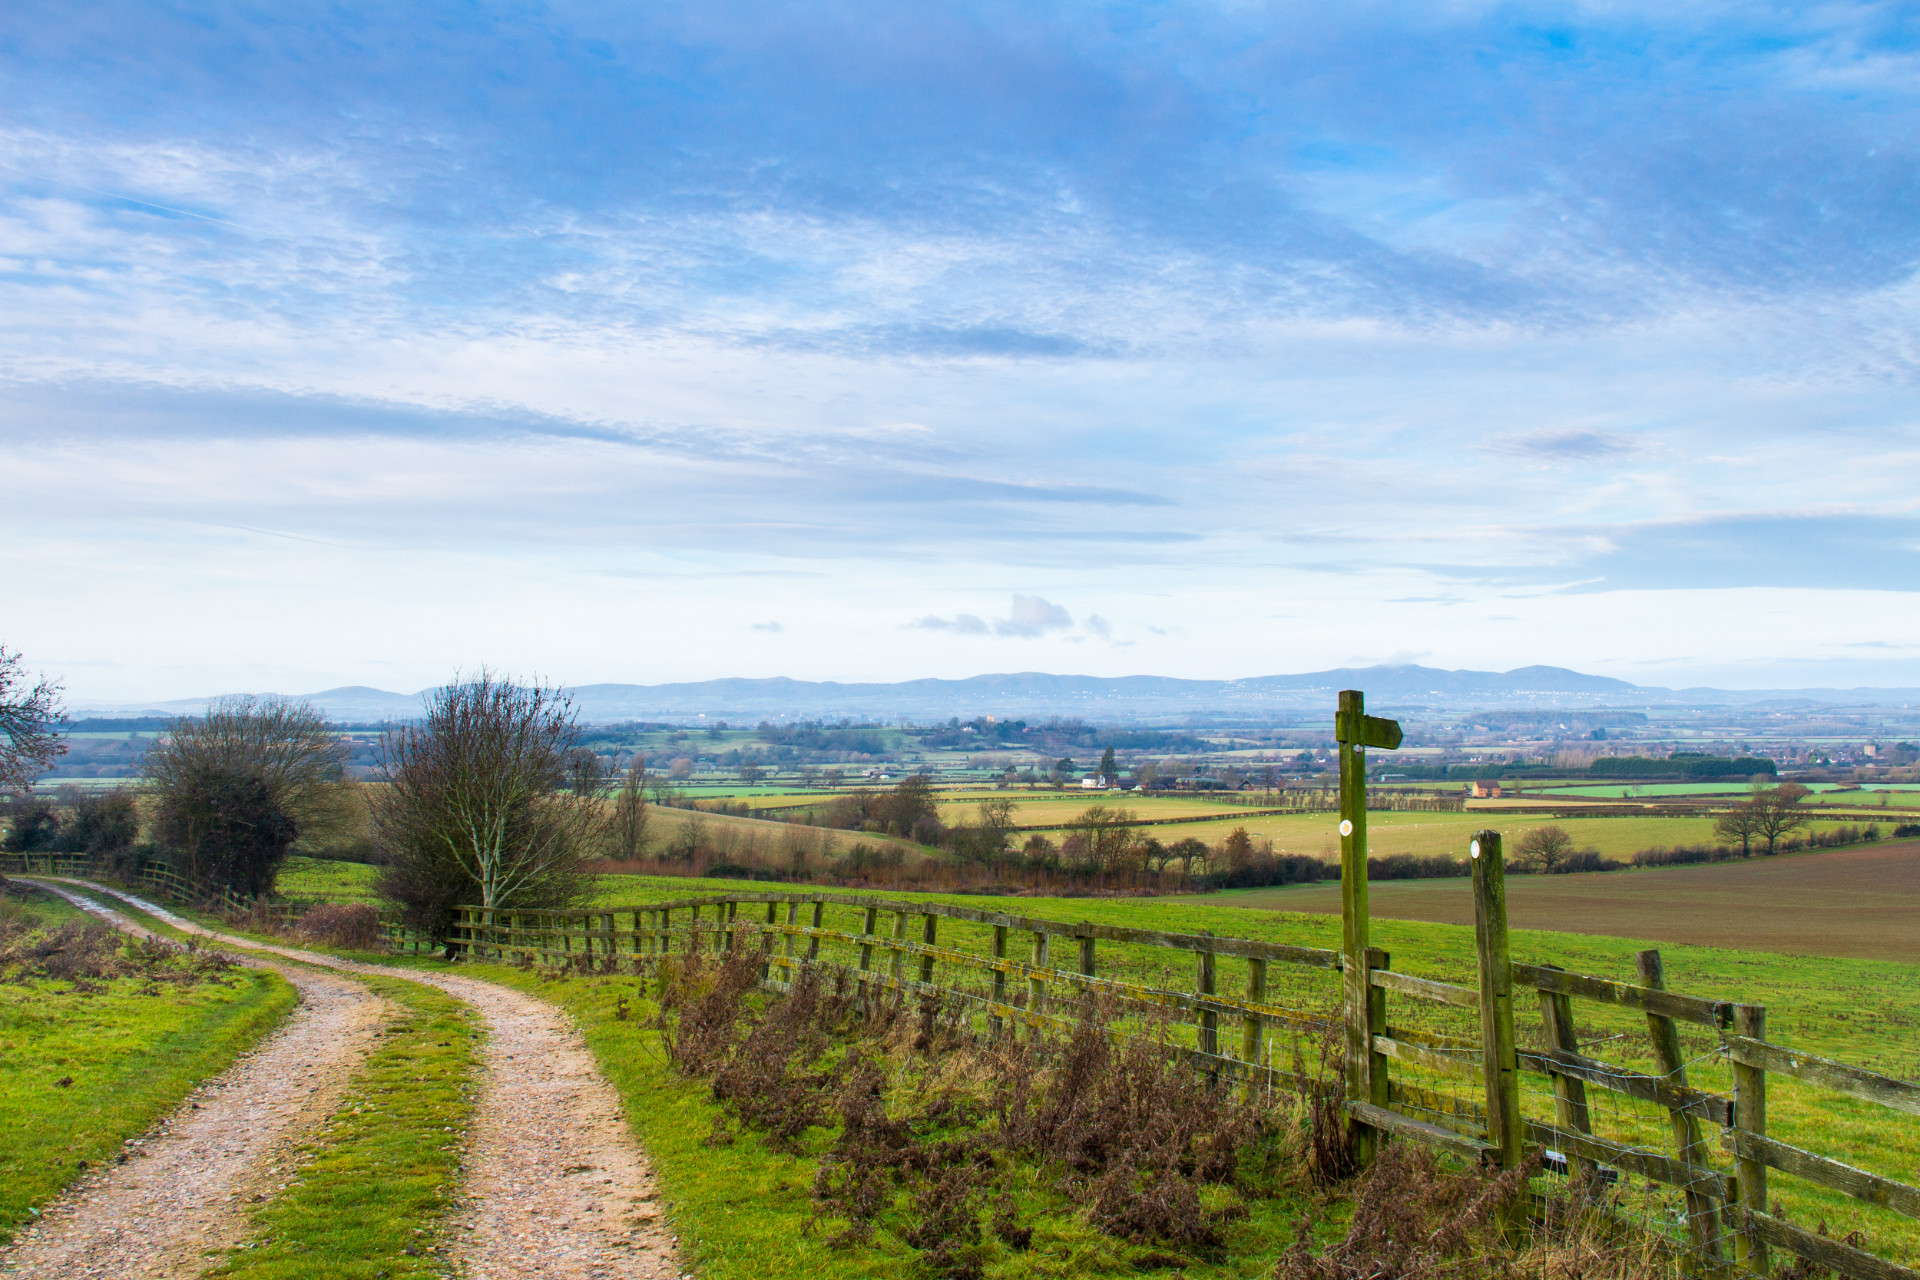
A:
x,y
557,1188
178,1194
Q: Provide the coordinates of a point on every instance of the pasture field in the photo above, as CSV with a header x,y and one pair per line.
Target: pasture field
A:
x,y
1861,901
1426,834
1056,808
85,1066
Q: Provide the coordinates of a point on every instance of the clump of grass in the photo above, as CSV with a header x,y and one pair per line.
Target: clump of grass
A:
x,y
86,954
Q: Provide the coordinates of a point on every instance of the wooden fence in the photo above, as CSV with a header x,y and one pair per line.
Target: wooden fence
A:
x,y
1451,1064
157,877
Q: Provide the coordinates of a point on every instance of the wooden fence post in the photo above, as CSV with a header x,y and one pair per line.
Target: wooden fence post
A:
x,y
1750,1116
870,919
929,925
1253,1029
792,949
995,1023
1569,1092
897,970
1036,985
1703,1215
1209,1021
1499,1061
813,943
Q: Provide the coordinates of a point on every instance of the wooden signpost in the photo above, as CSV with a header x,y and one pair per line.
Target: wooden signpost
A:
x,y
1356,731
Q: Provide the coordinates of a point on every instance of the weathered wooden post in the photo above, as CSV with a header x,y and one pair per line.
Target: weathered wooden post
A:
x,y
1204,987
1252,1026
995,1023
869,920
1499,1061
929,927
1750,1117
1036,985
1569,1092
1355,731
813,943
1703,1214
897,970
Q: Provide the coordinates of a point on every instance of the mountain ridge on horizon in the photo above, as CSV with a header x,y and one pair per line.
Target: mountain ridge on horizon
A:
x,y
1044,693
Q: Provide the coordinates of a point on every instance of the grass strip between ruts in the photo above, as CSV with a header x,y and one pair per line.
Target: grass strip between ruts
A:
x,y
127,1058
374,1185
371,1193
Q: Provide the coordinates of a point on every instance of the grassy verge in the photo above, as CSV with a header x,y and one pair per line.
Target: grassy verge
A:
x,y
82,1071
744,1210
376,1181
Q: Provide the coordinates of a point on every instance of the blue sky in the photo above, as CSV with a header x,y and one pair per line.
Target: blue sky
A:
x,y
351,344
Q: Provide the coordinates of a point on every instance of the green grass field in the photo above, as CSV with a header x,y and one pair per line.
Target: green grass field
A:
x,y
1426,834
81,1072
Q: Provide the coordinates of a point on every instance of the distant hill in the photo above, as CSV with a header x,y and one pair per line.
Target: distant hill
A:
x,y
1122,698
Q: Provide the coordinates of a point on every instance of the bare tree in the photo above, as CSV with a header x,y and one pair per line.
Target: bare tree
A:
x,y
589,774
1543,848
627,829
1742,823
31,717
1776,812
235,787
476,801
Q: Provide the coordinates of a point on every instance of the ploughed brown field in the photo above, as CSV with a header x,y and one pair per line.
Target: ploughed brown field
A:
x,y
1862,901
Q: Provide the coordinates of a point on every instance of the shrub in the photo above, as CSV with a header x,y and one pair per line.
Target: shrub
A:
x,y
355,925
1906,830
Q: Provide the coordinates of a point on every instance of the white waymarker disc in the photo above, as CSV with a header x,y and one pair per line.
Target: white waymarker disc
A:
x,y
1346,826
1474,848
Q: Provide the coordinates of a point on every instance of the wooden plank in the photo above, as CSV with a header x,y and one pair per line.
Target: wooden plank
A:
x,y
1901,1095
1426,988
1711,1013
1431,1059
1446,1139
1833,1254
1569,1090
1858,1183
1648,1164
1457,1113
1561,1064
1703,1215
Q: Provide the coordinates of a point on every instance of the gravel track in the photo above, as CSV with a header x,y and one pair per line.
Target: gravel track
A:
x,y
178,1194
557,1188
